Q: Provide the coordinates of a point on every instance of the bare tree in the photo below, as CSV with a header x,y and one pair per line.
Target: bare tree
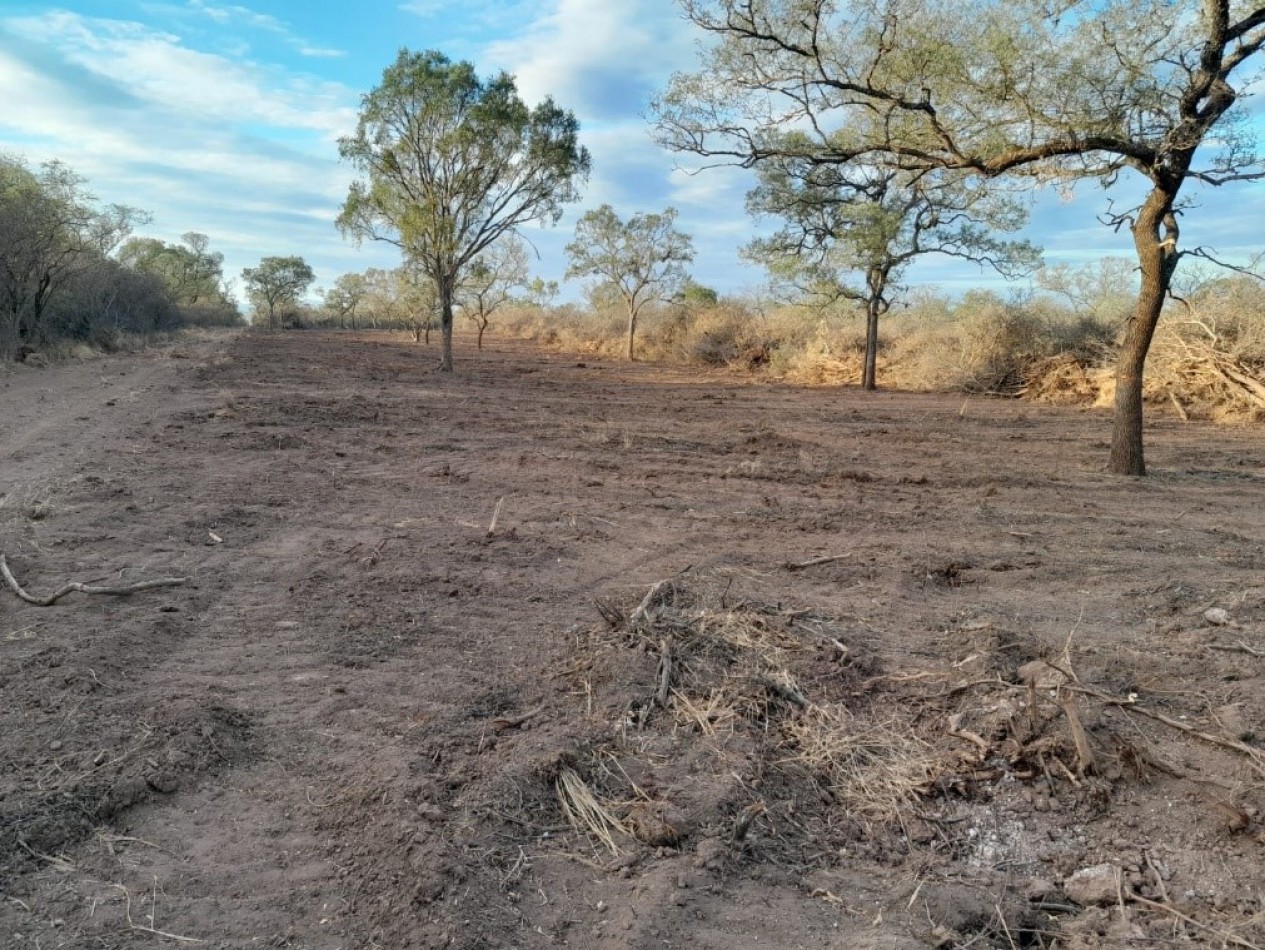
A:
x,y
491,279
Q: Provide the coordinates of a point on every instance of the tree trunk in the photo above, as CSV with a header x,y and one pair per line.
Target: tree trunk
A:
x,y
483,325
632,333
445,325
869,375
1155,238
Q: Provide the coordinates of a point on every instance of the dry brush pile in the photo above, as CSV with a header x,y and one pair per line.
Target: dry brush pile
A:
x,y
755,734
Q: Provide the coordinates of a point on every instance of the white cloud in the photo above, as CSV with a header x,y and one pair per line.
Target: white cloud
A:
x,y
236,14
156,68
602,59
241,152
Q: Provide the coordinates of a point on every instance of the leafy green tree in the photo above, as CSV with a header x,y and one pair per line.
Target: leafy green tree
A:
x,y
842,222
346,297
278,282
491,279
51,229
1057,91
642,258
540,293
191,272
451,163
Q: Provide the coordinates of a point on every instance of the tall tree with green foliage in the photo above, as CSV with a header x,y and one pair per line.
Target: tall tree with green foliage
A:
x,y
276,283
1062,90
451,163
345,298
642,258
843,222
191,271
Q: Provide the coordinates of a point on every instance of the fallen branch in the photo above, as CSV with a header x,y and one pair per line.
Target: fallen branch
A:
x,y
1224,935
654,598
1239,647
815,562
1131,704
75,587
742,824
1084,755
501,723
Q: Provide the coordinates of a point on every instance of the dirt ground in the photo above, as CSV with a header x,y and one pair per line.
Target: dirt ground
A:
x,y
558,651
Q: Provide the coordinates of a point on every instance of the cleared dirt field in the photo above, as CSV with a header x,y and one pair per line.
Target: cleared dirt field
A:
x,y
920,674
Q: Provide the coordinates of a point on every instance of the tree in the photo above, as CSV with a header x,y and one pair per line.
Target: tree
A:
x,y
491,278
1055,90
344,299
277,282
451,163
844,220
643,258
540,293
51,228
191,272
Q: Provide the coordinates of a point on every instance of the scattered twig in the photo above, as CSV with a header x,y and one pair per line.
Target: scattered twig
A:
x,y
1239,647
1225,936
665,673
815,562
83,588
150,930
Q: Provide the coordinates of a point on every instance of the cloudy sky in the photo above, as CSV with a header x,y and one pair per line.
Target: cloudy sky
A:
x,y
223,118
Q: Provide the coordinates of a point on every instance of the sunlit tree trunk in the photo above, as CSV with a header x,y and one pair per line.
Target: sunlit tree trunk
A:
x,y
1155,238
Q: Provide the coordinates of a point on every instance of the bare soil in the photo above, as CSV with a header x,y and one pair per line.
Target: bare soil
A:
x,y
920,674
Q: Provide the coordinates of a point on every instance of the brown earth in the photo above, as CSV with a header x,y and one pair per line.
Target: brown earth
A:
x,y
900,689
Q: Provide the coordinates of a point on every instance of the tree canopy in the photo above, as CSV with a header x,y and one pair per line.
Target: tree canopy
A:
x,y
191,271
451,163
51,231
276,283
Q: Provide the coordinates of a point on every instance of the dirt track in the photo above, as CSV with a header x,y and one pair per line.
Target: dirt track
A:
x,y
348,728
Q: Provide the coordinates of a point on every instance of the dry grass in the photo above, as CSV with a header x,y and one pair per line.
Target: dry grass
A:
x,y
876,770
587,812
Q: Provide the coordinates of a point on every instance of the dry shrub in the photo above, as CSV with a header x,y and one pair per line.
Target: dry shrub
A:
x,y
714,336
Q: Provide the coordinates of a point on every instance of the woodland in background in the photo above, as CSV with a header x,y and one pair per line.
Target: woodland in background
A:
x,y
70,272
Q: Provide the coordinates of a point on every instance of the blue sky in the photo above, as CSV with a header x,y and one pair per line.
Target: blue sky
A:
x,y
223,118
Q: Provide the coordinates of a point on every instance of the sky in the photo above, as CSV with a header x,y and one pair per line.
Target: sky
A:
x,y
223,118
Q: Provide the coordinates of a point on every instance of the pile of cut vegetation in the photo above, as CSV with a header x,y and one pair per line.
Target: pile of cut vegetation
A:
x,y
749,734
1189,376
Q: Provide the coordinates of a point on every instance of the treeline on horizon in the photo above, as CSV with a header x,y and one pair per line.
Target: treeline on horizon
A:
x,y
72,271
